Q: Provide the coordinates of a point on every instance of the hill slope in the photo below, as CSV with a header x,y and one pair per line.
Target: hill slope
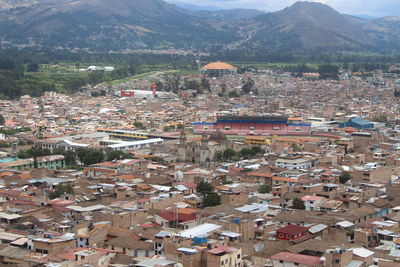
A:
x,y
305,25
131,24
108,24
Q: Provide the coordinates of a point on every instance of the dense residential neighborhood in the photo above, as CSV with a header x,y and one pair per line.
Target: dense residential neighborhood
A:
x,y
293,171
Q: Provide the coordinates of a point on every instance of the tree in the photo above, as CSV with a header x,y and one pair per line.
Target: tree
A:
x,y
139,125
229,153
298,204
69,156
2,120
380,118
223,88
246,152
328,71
33,67
233,93
60,190
344,177
263,189
205,84
211,200
94,156
191,84
116,154
204,188
103,92
89,156
34,152
257,150
218,156
95,93
247,86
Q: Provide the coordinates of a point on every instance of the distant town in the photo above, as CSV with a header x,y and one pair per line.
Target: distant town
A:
x,y
257,168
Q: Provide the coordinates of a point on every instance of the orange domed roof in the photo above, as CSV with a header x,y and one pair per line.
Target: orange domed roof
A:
x,y
218,66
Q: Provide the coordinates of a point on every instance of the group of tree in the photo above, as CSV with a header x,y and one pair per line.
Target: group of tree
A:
x,y
299,69
86,156
298,204
210,198
60,190
328,71
246,153
139,125
263,189
173,83
171,128
380,118
344,177
18,68
247,86
97,93
34,152
251,152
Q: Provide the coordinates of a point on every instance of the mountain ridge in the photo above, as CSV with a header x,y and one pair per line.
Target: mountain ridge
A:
x,y
156,24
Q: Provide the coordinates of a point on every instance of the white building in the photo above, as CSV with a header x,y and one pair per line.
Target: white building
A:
x,y
296,162
313,202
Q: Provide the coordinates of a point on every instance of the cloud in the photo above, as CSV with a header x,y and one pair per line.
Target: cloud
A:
x,y
356,7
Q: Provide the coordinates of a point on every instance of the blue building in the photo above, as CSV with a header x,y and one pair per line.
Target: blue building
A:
x,y
358,123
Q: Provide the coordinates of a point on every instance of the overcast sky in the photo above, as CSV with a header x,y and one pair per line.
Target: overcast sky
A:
x,y
375,8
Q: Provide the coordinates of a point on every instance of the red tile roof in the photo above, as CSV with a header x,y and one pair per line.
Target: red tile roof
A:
x,y
222,249
170,216
292,229
297,258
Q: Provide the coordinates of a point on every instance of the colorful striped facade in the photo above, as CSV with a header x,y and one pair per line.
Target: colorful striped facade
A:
x,y
265,126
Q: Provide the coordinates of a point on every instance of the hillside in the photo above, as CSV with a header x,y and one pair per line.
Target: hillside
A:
x,y
304,25
229,15
105,25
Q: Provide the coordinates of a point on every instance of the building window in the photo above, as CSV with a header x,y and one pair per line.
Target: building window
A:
x,y
206,128
276,129
298,129
238,256
337,261
227,128
251,128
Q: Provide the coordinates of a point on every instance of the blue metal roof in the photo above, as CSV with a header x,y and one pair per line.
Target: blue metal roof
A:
x,y
361,121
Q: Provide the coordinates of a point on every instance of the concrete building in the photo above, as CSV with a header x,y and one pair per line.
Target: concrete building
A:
x,y
224,256
296,162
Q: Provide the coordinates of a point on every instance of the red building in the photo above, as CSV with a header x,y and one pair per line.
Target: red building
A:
x,y
252,125
126,93
291,232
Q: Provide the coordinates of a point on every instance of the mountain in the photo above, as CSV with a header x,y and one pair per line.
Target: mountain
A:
x,y
304,25
105,25
192,7
229,15
8,4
